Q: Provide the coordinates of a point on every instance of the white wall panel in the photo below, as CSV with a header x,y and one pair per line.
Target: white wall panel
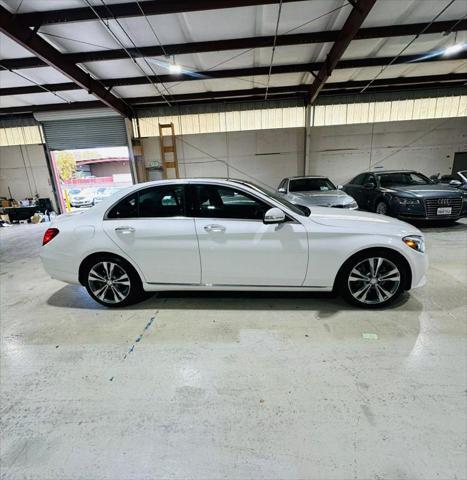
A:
x,y
24,170
425,145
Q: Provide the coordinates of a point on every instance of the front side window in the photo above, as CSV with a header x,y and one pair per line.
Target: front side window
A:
x,y
217,201
358,180
403,179
311,185
163,201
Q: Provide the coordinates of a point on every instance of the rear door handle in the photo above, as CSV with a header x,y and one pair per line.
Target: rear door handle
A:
x,y
214,228
125,230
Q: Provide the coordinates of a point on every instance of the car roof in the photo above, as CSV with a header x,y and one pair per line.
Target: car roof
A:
x,y
298,177
378,172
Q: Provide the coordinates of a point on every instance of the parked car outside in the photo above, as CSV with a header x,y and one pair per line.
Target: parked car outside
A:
x,y
103,192
209,234
315,191
457,180
81,197
407,194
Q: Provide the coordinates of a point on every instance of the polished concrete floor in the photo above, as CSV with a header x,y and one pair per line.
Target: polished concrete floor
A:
x,y
234,386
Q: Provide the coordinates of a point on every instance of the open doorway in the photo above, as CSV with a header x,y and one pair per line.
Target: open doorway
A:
x,y
84,177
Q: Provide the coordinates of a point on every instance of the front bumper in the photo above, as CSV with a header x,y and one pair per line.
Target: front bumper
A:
x,y
428,211
81,203
419,266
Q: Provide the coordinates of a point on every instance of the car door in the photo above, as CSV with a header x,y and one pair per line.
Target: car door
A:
x,y
237,248
355,189
368,196
152,227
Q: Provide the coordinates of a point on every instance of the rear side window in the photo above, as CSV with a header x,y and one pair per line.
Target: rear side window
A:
x,y
163,201
166,201
126,208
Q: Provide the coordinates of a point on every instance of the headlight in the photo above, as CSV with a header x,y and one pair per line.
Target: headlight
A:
x,y
407,201
416,242
351,205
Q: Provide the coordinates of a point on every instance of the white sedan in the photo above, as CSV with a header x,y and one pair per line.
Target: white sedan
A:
x,y
210,234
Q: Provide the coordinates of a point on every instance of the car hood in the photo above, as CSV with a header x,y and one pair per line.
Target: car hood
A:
x,y
325,199
361,222
424,191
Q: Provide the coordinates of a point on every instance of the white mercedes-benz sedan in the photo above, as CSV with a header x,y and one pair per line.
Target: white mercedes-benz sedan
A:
x,y
212,234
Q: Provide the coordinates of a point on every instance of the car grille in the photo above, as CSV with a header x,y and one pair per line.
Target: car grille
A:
x,y
432,205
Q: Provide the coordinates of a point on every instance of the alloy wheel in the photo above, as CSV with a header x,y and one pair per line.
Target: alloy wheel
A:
x,y
109,282
374,280
382,208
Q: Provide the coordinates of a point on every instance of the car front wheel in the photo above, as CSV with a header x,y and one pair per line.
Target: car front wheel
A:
x,y
113,282
373,280
382,208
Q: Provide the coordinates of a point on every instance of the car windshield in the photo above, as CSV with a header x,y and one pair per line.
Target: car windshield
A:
x,y
294,208
311,185
403,178
75,191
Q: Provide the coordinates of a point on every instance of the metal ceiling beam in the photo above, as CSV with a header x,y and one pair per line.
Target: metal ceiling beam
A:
x,y
232,73
349,31
28,39
131,9
430,80
242,43
278,69
293,91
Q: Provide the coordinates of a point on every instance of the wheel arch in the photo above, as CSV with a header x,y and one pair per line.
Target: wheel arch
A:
x,y
99,256
373,251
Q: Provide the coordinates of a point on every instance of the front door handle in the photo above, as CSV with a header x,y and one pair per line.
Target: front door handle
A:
x,y
125,230
214,228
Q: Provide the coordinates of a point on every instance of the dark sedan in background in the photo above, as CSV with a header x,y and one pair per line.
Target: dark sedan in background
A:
x,y
407,194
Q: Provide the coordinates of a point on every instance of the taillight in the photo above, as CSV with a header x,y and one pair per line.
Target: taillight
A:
x,y
49,234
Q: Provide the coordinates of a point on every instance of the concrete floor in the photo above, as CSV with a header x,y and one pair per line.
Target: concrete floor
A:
x,y
232,386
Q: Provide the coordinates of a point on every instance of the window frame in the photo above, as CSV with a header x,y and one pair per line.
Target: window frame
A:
x,y
195,202
187,198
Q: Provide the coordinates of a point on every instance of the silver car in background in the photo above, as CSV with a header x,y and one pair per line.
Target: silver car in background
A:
x,y
313,191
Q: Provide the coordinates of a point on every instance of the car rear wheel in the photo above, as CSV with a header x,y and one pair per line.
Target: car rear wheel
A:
x,y
382,208
113,282
373,280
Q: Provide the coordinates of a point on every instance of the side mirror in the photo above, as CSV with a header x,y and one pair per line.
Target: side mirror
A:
x,y
340,187
282,190
274,215
369,186
455,183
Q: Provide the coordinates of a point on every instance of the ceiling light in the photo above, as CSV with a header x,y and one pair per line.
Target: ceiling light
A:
x,y
453,49
175,69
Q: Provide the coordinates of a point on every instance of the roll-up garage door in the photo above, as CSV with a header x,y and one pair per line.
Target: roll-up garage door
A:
x,y
70,134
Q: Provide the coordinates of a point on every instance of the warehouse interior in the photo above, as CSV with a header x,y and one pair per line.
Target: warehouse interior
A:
x,y
235,385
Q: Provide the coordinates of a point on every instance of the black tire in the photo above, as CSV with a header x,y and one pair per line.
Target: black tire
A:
x,y
375,291
382,208
125,287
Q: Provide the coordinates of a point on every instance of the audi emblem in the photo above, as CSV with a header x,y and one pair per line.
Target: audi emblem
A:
x,y
443,201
